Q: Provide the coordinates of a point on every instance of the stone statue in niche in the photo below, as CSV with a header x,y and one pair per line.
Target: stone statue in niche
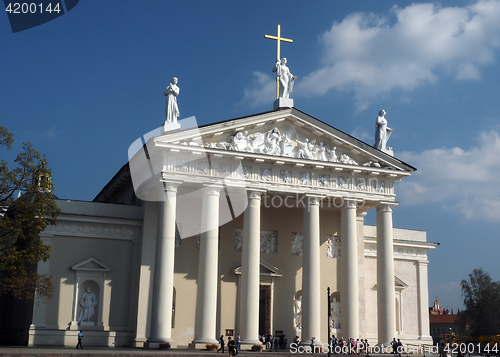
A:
x,y
335,317
333,247
171,108
336,247
286,79
382,131
329,247
88,301
297,313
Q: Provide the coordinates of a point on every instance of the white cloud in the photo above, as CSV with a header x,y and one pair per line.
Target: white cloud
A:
x,y
462,180
361,134
262,90
371,54
50,133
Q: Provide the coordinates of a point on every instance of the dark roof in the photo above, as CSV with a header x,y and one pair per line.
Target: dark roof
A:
x,y
443,319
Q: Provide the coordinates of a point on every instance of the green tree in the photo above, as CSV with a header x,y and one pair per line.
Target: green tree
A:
x,y
27,206
482,302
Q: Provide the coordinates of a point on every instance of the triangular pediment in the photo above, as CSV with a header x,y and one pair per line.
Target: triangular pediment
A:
x,y
91,264
266,269
286,134
399,284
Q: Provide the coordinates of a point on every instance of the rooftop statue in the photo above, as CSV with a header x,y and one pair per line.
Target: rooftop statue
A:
x,y
171,109
382,132
286,79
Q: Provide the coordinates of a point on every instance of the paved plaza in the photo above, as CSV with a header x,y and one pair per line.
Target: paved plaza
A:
x,y
134,352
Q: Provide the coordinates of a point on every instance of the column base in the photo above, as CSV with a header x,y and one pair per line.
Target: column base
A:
x,y
200,344
138,342
154,343
247,344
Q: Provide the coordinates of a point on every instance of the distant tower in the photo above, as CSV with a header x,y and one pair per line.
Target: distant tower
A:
x,y
437,309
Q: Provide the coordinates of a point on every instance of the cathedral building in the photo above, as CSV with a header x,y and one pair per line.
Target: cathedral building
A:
x,y
238,227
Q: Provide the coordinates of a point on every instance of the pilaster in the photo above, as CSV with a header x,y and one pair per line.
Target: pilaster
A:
x,y
386,305
423,302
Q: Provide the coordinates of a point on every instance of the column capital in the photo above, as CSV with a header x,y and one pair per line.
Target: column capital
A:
x,y
171,185
313,200
350,202
255,194
213,190
386,206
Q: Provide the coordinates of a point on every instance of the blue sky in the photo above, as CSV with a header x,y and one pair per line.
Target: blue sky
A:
x,y
86,85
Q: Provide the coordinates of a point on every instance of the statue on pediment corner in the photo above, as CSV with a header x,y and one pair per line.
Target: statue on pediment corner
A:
x,y
171,108
382,131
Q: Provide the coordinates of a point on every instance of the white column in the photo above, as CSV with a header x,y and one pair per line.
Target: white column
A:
x,y
311,288
163,279
250,271
349,293
386,305
206,298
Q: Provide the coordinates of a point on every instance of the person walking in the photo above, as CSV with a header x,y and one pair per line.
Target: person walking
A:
x,y
238,342
80,336
221,342
232,346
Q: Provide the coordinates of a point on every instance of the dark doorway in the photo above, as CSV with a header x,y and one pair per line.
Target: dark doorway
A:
x,y
265,310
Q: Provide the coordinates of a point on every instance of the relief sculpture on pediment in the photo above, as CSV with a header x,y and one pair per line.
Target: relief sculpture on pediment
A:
x,y
273,142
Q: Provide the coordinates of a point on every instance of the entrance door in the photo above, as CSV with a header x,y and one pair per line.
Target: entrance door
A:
x,y
265,310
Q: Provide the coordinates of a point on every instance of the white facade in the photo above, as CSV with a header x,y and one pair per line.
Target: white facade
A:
x,y
279,218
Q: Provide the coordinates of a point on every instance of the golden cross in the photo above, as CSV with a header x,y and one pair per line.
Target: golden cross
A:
x,y
278,39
